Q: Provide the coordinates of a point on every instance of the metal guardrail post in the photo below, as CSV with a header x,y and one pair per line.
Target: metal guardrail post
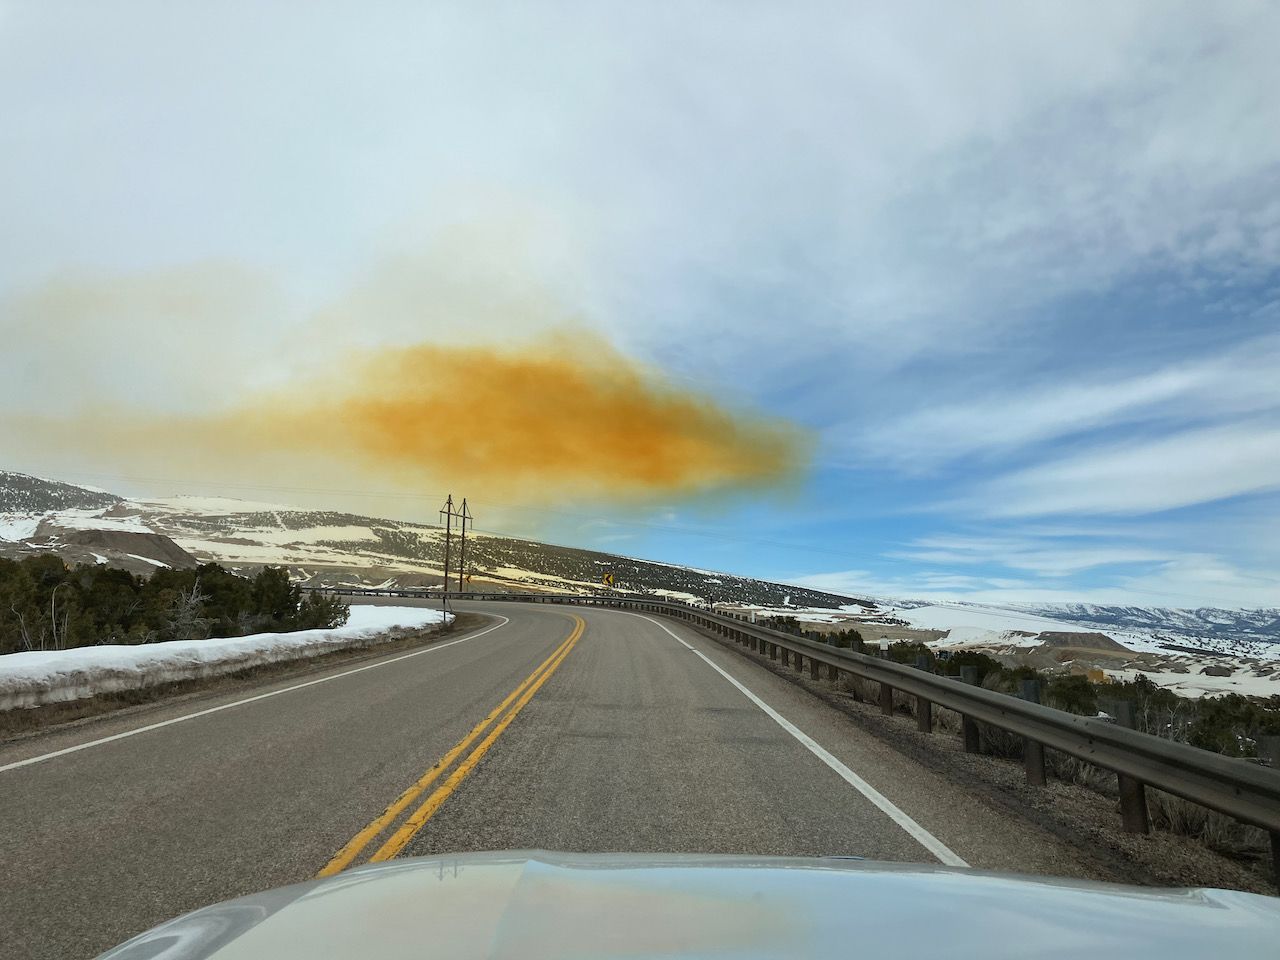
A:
x,y
1032,750
1133,792
968,725
924,708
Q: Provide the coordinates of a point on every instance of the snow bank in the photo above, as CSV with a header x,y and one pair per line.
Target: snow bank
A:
x,y
39,677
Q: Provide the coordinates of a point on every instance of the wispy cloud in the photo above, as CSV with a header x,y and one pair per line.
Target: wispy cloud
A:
x,y
1144,476
1179,581
1041,557
1242,380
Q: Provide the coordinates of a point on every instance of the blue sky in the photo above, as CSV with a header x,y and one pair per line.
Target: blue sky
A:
x,y
1016,265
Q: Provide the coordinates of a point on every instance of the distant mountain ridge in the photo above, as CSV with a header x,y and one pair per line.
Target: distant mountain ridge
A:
x,y
334,547
1211,629
1216,622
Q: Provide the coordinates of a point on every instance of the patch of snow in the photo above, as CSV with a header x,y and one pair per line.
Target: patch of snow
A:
x,y
677,595
38,677
208,506
965,636
1199,685
975,620
802,614
154,563
94,520
98,558
15,527
311,535
204,548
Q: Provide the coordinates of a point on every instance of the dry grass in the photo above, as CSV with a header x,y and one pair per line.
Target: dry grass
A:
x,y
1218,832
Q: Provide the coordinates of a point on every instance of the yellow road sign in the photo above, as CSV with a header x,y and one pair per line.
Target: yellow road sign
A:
x,y
468,578
607,579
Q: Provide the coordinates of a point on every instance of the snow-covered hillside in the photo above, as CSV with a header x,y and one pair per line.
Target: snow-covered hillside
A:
x,y
329,547
1241,633
1201,622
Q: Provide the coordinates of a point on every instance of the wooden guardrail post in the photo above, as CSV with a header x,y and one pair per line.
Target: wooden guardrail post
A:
x,y
1133,793
968,725
1033,751
1275,857
1269,749
886,699
813,669
924,708
773,651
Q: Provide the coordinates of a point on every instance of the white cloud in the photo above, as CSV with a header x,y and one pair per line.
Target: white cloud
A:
x,y
1143,476
898,180
1241,380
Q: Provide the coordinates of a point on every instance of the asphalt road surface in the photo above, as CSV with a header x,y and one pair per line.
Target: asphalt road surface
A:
x,y
548,727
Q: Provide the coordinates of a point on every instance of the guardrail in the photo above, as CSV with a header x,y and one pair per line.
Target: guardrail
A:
x,y
1248,792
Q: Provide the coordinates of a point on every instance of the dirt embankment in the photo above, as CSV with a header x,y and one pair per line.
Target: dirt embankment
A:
x,y
124,544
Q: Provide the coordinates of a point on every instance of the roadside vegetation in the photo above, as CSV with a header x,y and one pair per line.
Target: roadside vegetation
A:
x,y
45,605
1231,725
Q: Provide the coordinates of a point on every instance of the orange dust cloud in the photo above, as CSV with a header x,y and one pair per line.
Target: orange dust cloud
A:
x,y
562,418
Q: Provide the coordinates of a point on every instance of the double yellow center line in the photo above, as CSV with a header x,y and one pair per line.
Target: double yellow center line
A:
x,y
507,711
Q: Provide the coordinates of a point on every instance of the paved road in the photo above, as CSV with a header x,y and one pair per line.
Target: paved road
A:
x,y
560,729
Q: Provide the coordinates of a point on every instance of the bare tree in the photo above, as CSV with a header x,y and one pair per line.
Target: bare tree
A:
x,y
23,628
186,615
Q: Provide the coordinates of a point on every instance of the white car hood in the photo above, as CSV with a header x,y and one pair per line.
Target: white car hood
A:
x,y
529,906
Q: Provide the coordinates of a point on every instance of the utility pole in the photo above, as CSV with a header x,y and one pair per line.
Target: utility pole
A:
x,y
464,516
447,511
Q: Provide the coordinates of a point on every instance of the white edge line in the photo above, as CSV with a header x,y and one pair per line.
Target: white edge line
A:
x,y
253,699
922,836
